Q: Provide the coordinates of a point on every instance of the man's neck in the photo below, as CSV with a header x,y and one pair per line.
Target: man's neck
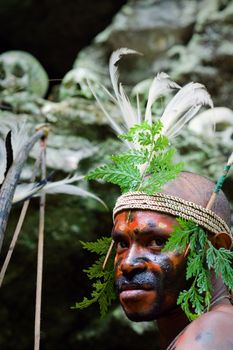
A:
x,y
175,321
170,326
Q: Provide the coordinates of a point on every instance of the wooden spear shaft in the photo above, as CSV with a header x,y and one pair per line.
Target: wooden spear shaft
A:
x,y
40,252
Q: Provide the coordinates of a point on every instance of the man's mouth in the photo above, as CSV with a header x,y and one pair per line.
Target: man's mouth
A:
x,y
135,286
134,292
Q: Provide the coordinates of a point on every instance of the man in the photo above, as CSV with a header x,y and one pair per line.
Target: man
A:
x,y
149,281
172,286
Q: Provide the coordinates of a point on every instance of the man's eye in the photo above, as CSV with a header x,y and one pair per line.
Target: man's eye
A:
x,y
157,242
121,245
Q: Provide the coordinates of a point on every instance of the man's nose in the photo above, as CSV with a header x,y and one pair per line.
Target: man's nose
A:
x,y
134,262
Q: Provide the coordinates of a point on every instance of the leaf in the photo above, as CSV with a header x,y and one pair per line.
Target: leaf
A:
x,y
221,261
194,266
198,296
103,280
179,238
100,246
133,156
155,182
123,174
149,156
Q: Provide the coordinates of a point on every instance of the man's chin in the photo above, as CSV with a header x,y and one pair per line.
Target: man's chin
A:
x,y
140,317
139,305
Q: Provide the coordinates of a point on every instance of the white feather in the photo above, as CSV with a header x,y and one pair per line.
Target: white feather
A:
x,y
129,115
173,131
160,86
230,160
25,191
139,119
54,188
19,134
114,125
179,111
2,160
113,69
191,95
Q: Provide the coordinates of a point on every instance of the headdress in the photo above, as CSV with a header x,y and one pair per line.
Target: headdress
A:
x,y
143,170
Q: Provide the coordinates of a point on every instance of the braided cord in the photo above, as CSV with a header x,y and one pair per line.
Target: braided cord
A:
x,y
175,206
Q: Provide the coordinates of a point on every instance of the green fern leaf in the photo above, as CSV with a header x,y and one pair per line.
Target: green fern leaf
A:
x,y
134,156
103,280
122,174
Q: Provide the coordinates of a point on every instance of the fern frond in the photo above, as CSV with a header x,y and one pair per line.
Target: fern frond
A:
x,y
122,174
103,285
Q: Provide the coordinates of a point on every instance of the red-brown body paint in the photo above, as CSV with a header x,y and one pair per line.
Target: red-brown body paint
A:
x,y
149,281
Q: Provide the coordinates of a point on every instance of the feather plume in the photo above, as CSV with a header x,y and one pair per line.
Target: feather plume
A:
x,y
19,135
112,122
54,188
175,129
128,113
179,111
113,69
160,86
230,160
139,119
25,191
190,96
12,139
3,160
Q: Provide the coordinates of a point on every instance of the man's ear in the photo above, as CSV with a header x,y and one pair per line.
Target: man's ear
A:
x,y
222,239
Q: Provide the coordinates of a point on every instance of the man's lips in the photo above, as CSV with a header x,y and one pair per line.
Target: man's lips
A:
x,y
135,286
131,293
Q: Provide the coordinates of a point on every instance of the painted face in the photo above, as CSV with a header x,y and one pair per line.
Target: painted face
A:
x,y
148,281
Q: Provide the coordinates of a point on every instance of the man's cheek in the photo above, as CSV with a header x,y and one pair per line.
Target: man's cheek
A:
x,y
117,269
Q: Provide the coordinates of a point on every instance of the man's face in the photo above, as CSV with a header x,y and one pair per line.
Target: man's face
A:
x,y
148,281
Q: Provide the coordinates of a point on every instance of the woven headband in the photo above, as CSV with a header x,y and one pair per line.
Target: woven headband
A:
x,y
173,205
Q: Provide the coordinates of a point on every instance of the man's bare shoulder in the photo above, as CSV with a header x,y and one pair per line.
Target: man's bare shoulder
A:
x,y
213,330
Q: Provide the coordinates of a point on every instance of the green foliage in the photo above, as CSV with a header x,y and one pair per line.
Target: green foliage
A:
x,y
220,260
119,173
103,285
180,236
146,167
202,257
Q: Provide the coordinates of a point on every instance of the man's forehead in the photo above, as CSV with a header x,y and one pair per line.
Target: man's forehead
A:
x,y
143,220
